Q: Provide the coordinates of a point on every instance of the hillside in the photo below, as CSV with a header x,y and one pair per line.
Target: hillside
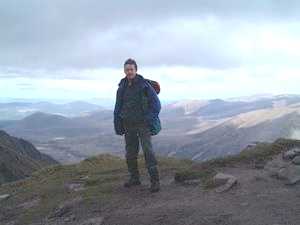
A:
x,y
91,192
224,128
19,158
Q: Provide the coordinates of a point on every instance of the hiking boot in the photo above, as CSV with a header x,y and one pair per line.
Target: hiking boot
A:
x,y
155,186
132,182
154,178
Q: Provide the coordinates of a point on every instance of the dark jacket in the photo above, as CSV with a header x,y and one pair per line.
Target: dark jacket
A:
x,y
150,104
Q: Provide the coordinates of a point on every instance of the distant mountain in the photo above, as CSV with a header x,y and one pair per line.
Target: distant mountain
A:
x,y
19,110
253,98
230,137
219,108
68,139
183,107
195,129
47,124
221,128
19,158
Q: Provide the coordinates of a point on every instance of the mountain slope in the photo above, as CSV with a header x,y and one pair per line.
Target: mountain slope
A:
x,y
233,135
19,158
91,192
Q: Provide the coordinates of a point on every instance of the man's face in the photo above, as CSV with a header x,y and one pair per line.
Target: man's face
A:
x,y
130,71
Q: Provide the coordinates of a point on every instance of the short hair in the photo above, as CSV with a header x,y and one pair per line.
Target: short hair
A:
x,y
131,62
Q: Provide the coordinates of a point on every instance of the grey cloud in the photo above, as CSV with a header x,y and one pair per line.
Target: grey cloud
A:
x,y
61,34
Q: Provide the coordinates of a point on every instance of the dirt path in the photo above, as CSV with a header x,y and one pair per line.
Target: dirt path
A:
x,y
256,200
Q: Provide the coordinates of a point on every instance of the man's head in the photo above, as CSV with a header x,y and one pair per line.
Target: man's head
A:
x,y
130,68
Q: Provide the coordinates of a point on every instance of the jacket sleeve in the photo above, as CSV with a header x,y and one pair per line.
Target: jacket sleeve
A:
x,y
118,126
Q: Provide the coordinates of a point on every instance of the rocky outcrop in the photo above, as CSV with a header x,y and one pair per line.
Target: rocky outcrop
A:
x,y
286,166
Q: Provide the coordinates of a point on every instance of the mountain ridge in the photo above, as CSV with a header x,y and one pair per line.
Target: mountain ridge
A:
x,y
19,158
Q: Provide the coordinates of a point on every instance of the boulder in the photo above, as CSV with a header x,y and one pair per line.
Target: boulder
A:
x,y
296,160
272,167
224,181
5,196
289,155
290,174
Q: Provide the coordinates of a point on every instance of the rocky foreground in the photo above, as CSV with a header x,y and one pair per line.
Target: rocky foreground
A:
x,y
260,186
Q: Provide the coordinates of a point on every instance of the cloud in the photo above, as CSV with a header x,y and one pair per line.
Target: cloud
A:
x,y
195,49
63,34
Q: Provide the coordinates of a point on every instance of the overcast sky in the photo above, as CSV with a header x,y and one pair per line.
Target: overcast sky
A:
x,y
195,49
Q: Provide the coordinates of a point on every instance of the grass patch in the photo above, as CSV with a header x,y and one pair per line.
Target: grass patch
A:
x,y
49,185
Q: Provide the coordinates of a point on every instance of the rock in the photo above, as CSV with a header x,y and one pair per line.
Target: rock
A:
x,y
84,178
290,174
221,178
224,181
272,167
5,196
287,170
75,186
297,150
296,160
289,155
192,182
230,183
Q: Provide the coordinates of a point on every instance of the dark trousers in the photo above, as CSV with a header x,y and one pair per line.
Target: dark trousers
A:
x,y
136,133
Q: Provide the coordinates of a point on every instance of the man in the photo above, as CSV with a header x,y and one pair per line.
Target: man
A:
x,y
136,116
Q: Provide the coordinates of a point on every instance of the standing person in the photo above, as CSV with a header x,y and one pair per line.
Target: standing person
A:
x,y
136,115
